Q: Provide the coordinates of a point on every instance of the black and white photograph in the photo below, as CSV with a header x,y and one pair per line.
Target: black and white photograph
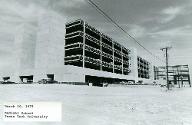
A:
x,y
95,62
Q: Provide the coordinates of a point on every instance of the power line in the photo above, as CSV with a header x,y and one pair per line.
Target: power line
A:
x,y
118,26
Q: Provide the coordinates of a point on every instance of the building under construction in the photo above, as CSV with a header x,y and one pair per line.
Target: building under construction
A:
x,y
177,75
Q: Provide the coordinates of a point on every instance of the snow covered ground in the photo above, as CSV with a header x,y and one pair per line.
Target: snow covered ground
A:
x,y
129,105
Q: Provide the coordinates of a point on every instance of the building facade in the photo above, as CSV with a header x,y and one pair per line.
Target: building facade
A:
x,y
79,53
88,48
143,68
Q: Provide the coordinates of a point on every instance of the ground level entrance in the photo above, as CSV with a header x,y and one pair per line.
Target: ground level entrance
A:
x,y
100,81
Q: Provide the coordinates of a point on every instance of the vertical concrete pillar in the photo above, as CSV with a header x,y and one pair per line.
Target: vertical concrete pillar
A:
x,y
113,57
122,59
84,44
101,51
134,64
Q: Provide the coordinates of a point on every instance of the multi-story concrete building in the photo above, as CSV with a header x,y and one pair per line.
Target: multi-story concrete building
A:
x,y
143,68
88,48
79,53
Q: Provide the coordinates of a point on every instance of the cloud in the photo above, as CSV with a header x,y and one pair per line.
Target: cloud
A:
x,y
69,3
172,10
170,13
183,31
137,31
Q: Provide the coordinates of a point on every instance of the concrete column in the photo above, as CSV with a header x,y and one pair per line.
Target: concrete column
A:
x,y
122,59
84,44
134,64
101,51
113,57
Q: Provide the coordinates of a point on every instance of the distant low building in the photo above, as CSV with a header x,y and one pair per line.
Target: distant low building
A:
x,y
178,74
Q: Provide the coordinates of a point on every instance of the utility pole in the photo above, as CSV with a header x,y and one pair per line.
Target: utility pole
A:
x,y
167,70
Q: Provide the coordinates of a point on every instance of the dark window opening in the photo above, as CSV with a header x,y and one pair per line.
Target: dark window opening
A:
x,y
117,63
92,44
92,55
92,66
107,41
107,69
75,63
73,23
118,71
71,52
107,50
74,40
117,55
117,47
106,59
93,34
74,28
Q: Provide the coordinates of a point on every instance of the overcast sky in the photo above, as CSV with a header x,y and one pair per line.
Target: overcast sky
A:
x,y
154,23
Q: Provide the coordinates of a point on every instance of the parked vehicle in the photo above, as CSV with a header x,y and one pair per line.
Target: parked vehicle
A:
x,y
47,81
140,82
7,82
